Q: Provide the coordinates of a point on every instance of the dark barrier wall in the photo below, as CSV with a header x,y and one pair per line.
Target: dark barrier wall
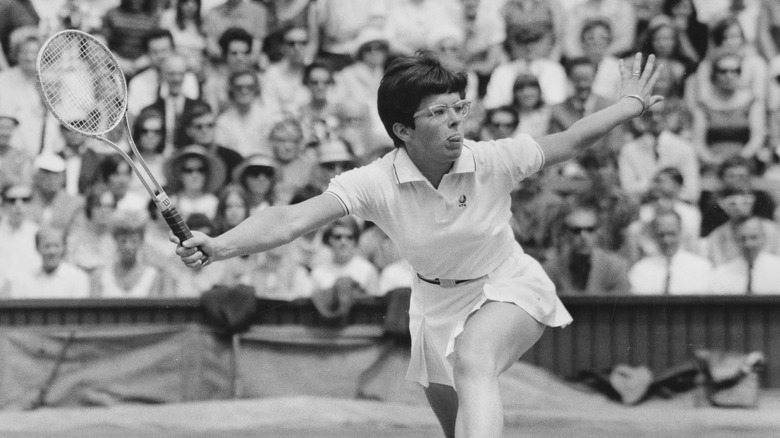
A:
x,y
656,331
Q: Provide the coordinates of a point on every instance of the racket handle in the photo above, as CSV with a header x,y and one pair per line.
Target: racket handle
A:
x,y
176,223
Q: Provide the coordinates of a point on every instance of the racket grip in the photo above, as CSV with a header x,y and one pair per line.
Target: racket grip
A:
x,y
176,223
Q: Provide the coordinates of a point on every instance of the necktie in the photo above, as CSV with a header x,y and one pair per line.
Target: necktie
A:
x,y
750,278
668,280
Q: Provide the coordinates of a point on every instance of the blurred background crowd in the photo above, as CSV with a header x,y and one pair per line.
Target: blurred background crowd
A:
x,y
239,105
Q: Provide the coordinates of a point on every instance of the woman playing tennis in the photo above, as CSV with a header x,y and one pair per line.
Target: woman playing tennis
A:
x,y
478,302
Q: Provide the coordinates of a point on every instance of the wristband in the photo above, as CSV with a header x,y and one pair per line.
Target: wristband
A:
x,y
640,99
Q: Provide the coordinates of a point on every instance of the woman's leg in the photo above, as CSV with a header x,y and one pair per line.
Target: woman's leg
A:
x,y
444,402
492,340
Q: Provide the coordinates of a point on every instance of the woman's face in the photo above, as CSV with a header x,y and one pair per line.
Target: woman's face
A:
x,y
127,244
119,181
193,173
189,7
150,134
527,96
258,181
374,54
683,8
235,209
343,243
663,42
286,144
596,41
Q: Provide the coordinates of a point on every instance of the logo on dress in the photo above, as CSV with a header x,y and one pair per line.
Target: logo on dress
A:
x,y
462,201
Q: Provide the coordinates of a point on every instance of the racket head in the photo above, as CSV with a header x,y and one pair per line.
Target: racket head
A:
x,y
81,83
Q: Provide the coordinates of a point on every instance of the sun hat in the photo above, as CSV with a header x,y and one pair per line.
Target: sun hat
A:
x,y
216,168
255,160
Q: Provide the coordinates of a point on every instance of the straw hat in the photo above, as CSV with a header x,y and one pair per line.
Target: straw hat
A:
x,y
216,168
256,160
370,35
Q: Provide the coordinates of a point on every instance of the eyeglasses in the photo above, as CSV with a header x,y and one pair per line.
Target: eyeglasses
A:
x,y
506,125
255,171
202,125
188,170
338,236
238,52
441,111
150,131
580,230
15,199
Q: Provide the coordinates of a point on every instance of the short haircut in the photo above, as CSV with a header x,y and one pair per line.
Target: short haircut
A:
x,y
344,221
662,214
156,34
735,161
407,81
47,230
718,31
92,198
573,63
234,34
196,110
503,109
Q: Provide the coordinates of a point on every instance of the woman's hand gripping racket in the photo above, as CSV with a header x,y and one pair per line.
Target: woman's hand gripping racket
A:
x,y
86,91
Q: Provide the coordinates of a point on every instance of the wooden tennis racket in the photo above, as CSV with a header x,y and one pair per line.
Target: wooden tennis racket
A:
x,y
85,89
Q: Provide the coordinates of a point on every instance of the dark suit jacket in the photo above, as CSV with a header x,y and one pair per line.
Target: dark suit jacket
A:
x,y
608,274
178,131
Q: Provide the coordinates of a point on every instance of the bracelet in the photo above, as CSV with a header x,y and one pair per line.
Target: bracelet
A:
x,y
640,99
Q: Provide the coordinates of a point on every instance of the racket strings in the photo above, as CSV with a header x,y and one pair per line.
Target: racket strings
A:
x,y
82,83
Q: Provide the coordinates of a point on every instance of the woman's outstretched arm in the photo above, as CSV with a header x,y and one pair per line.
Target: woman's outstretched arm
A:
x,y
636,88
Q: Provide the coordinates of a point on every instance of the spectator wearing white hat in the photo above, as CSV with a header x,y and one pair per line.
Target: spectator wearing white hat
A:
x,y
51,204
194,177
257,175
15,165
333,157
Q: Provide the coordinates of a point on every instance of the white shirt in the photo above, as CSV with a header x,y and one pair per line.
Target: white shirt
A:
x,y
246,134
358,269
550,74
731,277
17,248
395,275
459,231
67,281
690,275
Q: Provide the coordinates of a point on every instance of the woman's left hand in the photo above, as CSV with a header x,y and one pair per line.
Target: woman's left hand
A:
x,y
637,83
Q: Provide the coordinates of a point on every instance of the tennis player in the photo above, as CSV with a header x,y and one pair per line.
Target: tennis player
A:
x,y
478,302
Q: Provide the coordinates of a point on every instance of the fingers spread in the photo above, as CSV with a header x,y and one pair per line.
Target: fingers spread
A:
x,y
649,68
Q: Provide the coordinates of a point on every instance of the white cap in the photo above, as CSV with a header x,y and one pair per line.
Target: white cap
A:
x,y
50,162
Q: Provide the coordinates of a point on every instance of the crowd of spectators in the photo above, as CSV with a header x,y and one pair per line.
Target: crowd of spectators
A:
x,y
239,105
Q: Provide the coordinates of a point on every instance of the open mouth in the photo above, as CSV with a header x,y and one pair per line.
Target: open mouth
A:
x,y
455,138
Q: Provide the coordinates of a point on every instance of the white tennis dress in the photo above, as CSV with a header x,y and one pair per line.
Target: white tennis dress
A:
x,y
458,231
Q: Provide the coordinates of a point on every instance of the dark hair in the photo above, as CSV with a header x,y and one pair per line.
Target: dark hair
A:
x,y
407,81
596,22
670,4
234,34
92,198
156,34
147,114
196,110
735,161
502,109
523,79
344,221
673,173
180,17
314,66
147,6
718,31
573,63
110,164
219,218
199,221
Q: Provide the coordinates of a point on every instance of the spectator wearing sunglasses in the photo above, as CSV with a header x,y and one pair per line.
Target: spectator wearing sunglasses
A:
x,y
501,122
283,80
333,157
729,119
257,176
194,177
17,231
578,266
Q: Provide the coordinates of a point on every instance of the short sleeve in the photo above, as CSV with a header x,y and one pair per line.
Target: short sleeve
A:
x,y
520,156
359,191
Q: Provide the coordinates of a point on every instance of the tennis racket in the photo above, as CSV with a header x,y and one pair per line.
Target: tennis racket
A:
x,y
86,91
